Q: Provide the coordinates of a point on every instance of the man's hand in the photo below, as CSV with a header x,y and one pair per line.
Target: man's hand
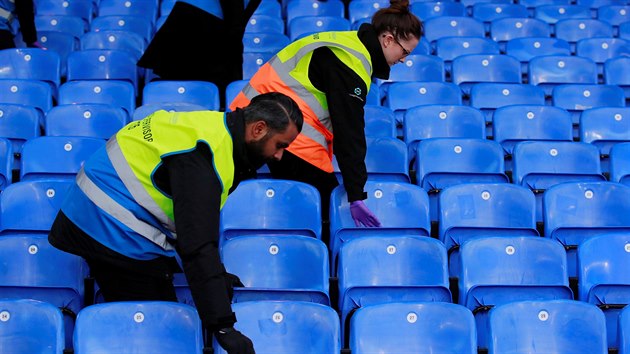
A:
x,y
234,342
362,215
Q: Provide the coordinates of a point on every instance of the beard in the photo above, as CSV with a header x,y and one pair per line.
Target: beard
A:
x,y
255,152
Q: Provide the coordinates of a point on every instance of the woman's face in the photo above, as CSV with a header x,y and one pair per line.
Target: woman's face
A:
x,y
396,50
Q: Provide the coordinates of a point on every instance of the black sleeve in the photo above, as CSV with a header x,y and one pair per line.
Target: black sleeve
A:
x,y
196,192
26,15
346,94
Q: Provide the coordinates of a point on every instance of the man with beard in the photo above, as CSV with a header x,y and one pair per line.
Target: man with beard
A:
x,y
156,190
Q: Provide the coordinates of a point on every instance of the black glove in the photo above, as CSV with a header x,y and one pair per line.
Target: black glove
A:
x,y
232,281
234,342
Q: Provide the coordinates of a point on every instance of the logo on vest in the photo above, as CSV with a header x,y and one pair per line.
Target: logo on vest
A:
x,y
357,91
146,128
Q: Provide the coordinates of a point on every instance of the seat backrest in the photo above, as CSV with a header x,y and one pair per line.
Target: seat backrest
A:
x,y
94,120
264,42
252,61
577,97
103,64
614,14
127,41
83,9
61,43
488,11
385,160
550,70
617,70
364,9
526,48
37,324
287,327
282,207
560,326
506,29
278,267
573,30
302,26
452,26
232,90
449,48
145,110
6,163
601,49
473,68
70,24
429,9
114,92
143,8
27,92
131,23
556,12
489,96
620,163
379,121
264,24
150,326
437,327
202,93
31,64
297,8
605,126
416,67
404,95
624,331
19,123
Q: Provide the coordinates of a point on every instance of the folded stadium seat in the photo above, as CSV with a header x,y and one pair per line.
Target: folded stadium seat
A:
x,y
385,160
253,61
437,327
127,41
60,43
129,23
441,121
624,30
265,24
73,25
516,123
103,64
31,93
594,5
232,90
202,93
269,8
443,162
6,163
539,165
614,15
287,327
617,72
429,9
554,13
526,48
449,48
115,92
576,211
278,267
603,279
34,269
268,42
573,30
93,120
604,127
379,269
601,49
364,9
620,163
452,26
80,8
503,30
147,9
297,8
624,331
576,98
532,4
471,210
32,64
18,123
404,95
548,326
488,97
56,157
127,327
474,68
282,207
501,270
303,26
548,71
487,12
379,121
402,208
417,67
37,324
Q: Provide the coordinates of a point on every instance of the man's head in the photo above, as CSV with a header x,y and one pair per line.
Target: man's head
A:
x,y
272,121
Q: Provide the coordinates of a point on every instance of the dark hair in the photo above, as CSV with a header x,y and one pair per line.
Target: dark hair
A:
x,y
397,19
275,109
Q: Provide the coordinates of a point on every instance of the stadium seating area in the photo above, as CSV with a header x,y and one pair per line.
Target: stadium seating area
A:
x,y
498,163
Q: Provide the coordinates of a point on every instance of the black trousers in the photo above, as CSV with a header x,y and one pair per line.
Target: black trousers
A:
x,y
6,40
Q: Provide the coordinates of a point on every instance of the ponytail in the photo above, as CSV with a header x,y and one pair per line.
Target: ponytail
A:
x,y
397,19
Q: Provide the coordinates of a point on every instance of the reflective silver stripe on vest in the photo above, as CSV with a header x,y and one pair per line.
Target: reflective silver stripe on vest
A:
x,y
120,213
134,186
6,14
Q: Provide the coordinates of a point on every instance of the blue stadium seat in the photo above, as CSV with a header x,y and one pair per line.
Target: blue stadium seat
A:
x,y
526,48
80,8
232,90
6,163
147,9
103,64
487,12
297,8
94,120
573,30
269,8
624,30
60,43
283,207
604,127
426,10
488,97
265,24
114,92
576,98
403,209
449,48
412,327
540,165
474,68
601,49
73,25
384,269
130,23
287,327
379,121
554,13
624,331
441,121
452,26
417,67
617,72
202,93
385,160
278,267
30,93
614,15
531,4
149,327
500,270
302,26
130,42
252,61
264,42
31,64
548,71
32,268
31,326
470,3
602,277
364,9
505,29
620,163
18,123
471,210
144,110
574,212
551,326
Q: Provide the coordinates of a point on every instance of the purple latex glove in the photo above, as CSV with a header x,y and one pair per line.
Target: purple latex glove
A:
x,y
35,44
362,215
